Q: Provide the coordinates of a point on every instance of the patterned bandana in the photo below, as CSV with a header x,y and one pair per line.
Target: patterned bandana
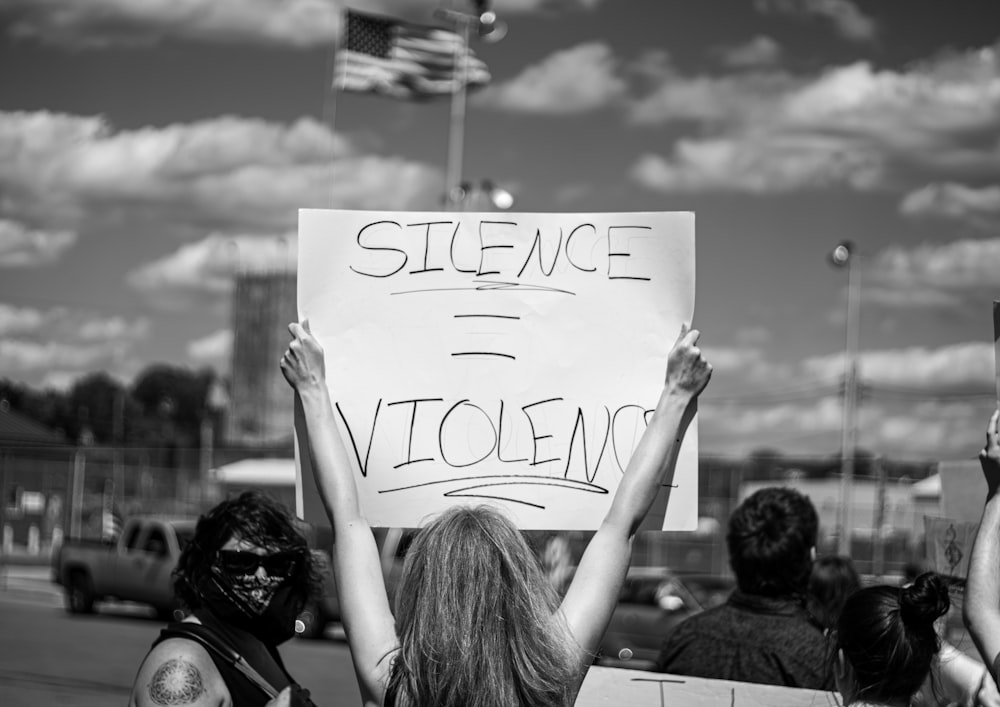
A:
x,y
254,592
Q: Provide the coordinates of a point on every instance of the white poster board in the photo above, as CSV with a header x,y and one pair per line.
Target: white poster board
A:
x,y
508,359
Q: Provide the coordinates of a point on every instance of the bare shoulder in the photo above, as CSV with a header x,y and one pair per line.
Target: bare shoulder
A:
x,y
179,672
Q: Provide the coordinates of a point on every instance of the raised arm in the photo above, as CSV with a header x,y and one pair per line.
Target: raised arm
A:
x,y
982,594
591,597
364,606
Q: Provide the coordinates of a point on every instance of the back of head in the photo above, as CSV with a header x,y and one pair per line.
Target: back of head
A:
x,y
477,618
888,638
253,517
771,539
832,580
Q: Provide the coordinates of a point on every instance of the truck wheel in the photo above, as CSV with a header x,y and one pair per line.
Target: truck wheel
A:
x,y
80,594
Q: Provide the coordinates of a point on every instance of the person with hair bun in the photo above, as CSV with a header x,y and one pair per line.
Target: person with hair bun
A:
x,y
888,652
886,641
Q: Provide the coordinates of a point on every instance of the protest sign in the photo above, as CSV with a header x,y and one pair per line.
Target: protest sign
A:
x,y
510,359
948,544
619,686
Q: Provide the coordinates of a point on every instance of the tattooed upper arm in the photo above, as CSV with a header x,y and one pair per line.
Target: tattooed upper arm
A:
x,y
179,673
176,682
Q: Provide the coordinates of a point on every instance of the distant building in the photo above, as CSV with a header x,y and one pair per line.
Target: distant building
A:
x,y
260,401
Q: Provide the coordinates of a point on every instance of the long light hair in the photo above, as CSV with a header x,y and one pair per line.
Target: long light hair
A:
x,y
477,620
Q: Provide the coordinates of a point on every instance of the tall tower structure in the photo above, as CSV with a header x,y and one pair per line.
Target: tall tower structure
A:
x,y
261,403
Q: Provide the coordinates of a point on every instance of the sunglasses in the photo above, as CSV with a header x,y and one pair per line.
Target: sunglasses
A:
x,y
275,564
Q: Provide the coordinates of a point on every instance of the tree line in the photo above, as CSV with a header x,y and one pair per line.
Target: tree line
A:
x,y
165,405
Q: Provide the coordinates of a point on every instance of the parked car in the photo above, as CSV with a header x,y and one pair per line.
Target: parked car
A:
x,y
652,602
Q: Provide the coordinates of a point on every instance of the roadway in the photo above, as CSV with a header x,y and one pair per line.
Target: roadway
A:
x,y
49,657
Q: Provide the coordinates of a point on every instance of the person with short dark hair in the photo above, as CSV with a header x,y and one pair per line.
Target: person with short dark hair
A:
x,y
763,632
832,580
244,577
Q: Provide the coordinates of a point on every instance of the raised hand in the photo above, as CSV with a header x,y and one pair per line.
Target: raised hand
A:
x,y
687,370
302,363
989,457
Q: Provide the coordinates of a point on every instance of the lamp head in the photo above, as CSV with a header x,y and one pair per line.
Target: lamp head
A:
x,y
499,197
490,28
840,256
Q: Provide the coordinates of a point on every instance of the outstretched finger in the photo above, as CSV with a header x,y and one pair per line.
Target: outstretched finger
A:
x,y
691,337
297,331
305,325
991,429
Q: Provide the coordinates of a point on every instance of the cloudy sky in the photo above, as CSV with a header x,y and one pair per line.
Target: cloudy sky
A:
x,y
138,141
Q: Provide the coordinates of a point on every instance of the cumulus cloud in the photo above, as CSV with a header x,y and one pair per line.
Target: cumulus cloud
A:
x,y
909,429
718,102
61,381
104,23
113,328
69,325
61,343
23,247
19,319
964,366
214,348
759,52
845,16
852,126
200,272
515,6
294,24
225,173
576,80
767,164
935,394
979,207
18,355
935,273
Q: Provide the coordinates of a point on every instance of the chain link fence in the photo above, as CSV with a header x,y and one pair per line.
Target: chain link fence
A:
x,y
49,494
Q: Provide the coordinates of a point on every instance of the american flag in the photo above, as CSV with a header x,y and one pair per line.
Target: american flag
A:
x,y
401,60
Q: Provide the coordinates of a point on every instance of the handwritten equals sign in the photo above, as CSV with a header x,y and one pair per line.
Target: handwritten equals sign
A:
x,y
485,354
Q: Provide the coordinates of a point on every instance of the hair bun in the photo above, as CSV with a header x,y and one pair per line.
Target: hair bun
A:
x,y
924,601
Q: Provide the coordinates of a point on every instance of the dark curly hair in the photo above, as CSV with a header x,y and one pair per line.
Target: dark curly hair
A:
x,y
255,518
771,539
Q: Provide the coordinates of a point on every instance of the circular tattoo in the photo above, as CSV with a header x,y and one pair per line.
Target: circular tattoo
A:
x,y
176,682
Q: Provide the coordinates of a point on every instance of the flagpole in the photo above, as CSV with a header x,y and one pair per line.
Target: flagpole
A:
x,y
330,92
456,125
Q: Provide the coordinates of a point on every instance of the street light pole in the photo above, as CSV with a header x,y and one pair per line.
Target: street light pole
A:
x,y
456,133
487,27
842,256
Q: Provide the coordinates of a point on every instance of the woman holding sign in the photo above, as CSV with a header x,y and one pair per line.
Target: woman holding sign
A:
x,y
476,620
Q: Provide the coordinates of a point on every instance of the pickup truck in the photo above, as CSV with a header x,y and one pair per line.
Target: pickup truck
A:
x,y
137,567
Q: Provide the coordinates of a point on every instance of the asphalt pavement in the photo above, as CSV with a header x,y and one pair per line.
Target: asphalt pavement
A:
x,y
29,582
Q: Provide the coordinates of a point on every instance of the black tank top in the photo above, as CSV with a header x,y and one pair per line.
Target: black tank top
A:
x,y
264,659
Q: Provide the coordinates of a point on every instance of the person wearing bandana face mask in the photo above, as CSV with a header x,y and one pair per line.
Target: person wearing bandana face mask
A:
x,y
244,577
